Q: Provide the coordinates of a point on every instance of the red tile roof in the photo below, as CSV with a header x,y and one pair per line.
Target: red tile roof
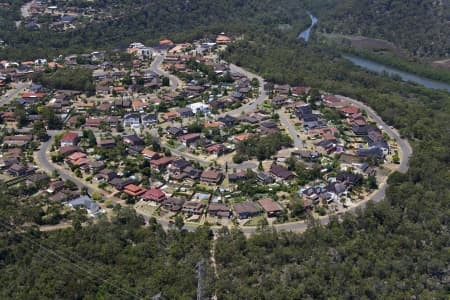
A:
x,y
154,194
69,137
33,95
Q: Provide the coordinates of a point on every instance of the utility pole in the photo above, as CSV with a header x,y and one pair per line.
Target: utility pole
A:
x,y
200,280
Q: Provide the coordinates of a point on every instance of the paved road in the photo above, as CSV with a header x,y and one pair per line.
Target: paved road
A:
x,y
14,93
251,105
48,166
176,151
284,119
405,147
155,67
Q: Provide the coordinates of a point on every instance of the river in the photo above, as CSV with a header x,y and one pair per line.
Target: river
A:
x,y
307,33
405,76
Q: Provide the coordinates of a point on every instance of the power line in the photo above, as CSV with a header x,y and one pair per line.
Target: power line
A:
x,y
81,269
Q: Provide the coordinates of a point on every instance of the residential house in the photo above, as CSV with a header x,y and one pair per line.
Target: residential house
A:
x,y
265,178
155,196
17,170
174,204
132,140
170,116
280,172
174,131
238,176
68,150
69,139
211,176
107,144
93,122
185,112
105,175
271,207
150,155
189,138
228,120
86,203
119,183
217,149
55,186
17,140
134,190
150,119
132,120
159,164
138,105
191,207
279,100
246,210
373,152
222,210
178,166
326,146
282,89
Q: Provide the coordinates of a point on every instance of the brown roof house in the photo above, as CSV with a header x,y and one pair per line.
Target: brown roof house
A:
x,y
280,172
211,176
271,207
219,209
191,207
246,210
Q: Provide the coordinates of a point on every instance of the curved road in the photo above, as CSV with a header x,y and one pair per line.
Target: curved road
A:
x,y
48,166
155,67
377,196
251,105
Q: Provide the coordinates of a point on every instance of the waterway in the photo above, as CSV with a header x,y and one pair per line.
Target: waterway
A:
x,y
405,76
305,35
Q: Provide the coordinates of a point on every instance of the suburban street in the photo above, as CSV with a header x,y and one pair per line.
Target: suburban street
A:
x,y
301,226
405,147
155,67
49,167
14,93
251,105
406,150
284,119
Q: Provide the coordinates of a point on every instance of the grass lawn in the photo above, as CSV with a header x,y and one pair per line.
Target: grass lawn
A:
x,y
254,221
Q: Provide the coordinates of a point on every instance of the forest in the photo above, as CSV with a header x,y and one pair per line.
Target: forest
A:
x,y
149,21
79,79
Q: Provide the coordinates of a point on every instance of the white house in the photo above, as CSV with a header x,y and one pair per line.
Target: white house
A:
x,y
132,120
87,203
199,107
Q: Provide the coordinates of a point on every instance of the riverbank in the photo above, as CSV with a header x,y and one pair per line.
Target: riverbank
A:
x,y
421,69
391,71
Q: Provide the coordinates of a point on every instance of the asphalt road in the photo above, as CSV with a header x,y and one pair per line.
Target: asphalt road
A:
x,y
298,143
296,227
405,147
48,166
254,104
156,63
14,93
